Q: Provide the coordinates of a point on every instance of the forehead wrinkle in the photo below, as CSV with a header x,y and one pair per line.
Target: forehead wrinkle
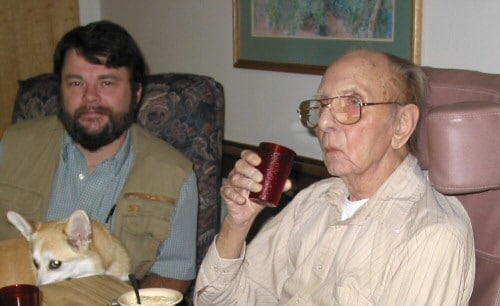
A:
x,y
345,87
362,73
374,74
390,88
385,77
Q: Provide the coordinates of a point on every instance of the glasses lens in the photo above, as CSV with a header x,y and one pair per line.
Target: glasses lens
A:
x,y
346,109
309,112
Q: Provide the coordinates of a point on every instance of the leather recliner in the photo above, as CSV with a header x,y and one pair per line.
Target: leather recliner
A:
x,y
460,147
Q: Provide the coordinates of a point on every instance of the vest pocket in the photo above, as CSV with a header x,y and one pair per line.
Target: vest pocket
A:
x,y
142,225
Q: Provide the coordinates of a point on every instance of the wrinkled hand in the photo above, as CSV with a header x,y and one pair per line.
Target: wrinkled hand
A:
x,y
241,212
242,180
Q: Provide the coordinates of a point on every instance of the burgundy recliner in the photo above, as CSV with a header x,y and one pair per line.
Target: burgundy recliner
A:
x,y
460,146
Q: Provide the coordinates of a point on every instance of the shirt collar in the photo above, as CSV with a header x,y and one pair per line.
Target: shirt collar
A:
x,y
395,197
116,162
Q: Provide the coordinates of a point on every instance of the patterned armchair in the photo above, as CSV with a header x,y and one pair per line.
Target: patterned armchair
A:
x,y
185,110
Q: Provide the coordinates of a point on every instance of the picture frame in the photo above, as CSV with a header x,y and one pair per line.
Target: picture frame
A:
x,y
313,55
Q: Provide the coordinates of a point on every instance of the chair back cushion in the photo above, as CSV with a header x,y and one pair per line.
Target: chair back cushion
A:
x,y
463,144
459,144
187,111
36,97
448,86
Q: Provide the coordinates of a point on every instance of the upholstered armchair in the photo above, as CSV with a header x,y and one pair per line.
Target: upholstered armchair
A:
x,y
185,110
460,146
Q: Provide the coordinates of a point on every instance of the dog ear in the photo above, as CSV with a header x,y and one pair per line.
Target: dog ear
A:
x,y
24,226
79,230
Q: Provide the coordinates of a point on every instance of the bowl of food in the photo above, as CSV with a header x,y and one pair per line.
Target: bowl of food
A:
x,y
151,297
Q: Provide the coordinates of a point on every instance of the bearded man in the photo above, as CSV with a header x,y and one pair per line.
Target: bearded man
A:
x,y
93,157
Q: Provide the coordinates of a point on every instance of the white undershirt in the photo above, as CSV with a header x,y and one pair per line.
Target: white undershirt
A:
x,y
350,207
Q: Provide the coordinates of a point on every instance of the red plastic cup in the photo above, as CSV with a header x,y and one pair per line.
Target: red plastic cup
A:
x,y
20,295
276,165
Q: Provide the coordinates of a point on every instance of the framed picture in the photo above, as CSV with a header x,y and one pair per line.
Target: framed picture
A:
x,y
305,36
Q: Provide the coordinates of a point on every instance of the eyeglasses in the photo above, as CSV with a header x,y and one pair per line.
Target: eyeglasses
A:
x,y
345,109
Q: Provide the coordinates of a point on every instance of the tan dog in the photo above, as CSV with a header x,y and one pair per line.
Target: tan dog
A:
x,y
64,249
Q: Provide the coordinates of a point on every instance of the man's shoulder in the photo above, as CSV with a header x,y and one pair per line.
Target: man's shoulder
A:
x,y
143,137
28,131
452,209
37,124
153,146
440,212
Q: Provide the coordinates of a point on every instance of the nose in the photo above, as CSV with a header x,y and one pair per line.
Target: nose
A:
x,y
326,120
90,93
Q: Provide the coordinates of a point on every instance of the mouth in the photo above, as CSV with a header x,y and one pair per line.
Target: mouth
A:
x,y
331,153
89,117
330,150
91,114
92,111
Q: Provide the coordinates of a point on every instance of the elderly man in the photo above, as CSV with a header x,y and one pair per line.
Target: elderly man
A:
x,y
376,233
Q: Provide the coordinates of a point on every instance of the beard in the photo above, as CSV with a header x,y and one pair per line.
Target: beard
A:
x,y
118,123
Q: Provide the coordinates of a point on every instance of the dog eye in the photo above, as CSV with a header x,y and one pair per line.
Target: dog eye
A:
x,y
35,264
54,264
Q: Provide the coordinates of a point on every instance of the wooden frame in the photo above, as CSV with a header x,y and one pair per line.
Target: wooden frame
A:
x,y
312,56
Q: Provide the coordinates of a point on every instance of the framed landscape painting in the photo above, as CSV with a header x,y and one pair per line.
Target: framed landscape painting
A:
x,y
305,36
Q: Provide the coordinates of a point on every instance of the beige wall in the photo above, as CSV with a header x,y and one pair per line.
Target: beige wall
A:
x,y
29,32
196,36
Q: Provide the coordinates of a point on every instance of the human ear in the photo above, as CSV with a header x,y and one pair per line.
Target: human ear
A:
x,y
138,92
406,123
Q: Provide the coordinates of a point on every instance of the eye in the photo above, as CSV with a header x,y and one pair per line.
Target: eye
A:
x,y
351,104
353,100
107,83
36,264
54,264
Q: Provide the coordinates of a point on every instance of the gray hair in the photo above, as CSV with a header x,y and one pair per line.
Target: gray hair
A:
x,y
412,86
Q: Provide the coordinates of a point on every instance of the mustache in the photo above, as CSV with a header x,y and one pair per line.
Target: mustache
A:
x,y
98,109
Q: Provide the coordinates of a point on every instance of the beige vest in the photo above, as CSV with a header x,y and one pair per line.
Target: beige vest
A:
x,y
28,163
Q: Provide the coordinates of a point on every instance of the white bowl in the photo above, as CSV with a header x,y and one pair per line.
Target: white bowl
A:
x,y
164,297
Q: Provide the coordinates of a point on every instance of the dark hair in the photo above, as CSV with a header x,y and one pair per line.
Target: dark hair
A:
x,y
106,43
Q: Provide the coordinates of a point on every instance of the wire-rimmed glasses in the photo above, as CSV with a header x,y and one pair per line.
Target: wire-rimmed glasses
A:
x,y
345,109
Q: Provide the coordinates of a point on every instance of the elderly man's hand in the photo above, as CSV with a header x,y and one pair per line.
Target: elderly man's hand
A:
x,y
241,212
242,180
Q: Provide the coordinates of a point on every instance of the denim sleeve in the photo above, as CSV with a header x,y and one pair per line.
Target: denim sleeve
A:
x,y
177,254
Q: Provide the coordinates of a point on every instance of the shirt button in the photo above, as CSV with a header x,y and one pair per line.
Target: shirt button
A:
x,y
320,266
81,176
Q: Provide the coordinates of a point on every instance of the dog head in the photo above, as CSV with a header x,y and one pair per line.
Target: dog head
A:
x,y
60,249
